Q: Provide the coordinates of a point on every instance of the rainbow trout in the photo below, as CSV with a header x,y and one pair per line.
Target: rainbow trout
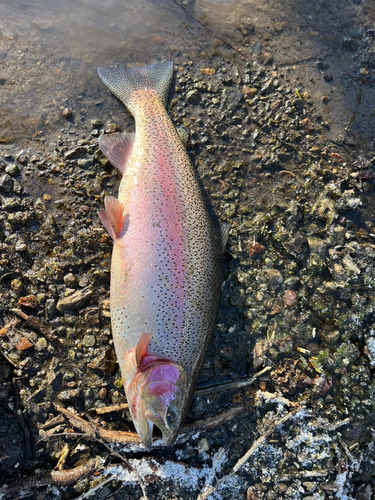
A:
x,y
167,256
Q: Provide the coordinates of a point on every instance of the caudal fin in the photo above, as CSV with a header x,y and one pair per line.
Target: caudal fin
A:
x,y
122,82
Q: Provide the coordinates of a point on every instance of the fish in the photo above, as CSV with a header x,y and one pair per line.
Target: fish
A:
x,y
166,267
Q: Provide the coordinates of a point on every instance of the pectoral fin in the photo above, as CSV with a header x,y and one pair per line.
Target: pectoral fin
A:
x,y
117,148
141,349
113,217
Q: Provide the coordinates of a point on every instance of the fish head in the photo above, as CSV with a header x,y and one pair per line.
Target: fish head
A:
x,y
157,395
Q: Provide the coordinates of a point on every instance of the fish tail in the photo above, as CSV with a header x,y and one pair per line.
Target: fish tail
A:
x,y
122,82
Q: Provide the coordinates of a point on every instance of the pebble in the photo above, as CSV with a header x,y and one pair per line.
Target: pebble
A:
x,y
70,280
193,97
275,278
203,445
29,302
74,301
23,344
68,396
50,308
67,113
89,340
12,170
41,344
6,183
290,298
20,246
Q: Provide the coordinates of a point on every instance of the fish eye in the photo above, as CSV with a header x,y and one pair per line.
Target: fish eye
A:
x,y
171,417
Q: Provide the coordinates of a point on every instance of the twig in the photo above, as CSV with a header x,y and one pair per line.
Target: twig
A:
x,y
232,385
110,409
257,444
104,434
25,427
211,31
61,478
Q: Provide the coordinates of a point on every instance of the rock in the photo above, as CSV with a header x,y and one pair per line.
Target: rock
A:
x,y
275,278
6,183
41,344
96,123
103,393
75,300
92,316
203,445
23,344
21,246
89,340
68,396
67,113
290,298
350,265
193,97
317,246
75,153
29,302
70,280
104,363
16,285
50,308
85,163
12,170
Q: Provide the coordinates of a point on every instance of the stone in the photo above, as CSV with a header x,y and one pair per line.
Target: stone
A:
x,y
50,308
89,340
70,280
317,246
6,183
193,97
275,278
75,300
12,170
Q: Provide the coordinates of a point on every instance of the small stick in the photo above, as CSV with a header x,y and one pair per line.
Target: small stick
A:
x,y
108,436
232,385
120,437
257,444
110,409
60,478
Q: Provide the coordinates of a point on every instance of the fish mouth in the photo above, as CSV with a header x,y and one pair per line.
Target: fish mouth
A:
x,y
157,396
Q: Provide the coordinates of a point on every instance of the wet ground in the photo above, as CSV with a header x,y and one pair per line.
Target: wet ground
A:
x,y
283,141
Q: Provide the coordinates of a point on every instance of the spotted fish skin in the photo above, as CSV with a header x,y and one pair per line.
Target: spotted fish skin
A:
x,y
166,260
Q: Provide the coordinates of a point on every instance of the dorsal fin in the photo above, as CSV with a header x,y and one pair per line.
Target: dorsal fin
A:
x,y
141,349
117,148
113,217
